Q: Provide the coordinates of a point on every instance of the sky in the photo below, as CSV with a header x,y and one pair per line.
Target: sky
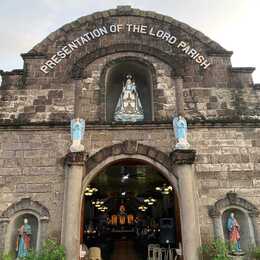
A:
x,y
234,24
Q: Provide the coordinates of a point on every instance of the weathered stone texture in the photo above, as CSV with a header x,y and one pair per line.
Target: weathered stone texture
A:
x,y
36,173
221,105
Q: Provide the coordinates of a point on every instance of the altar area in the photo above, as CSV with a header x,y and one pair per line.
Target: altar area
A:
x,y
130,206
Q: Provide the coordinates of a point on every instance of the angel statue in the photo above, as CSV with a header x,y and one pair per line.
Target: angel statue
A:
x,y
129,107
180,130
77,130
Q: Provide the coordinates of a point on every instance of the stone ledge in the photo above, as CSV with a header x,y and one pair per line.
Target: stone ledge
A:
x,y
242,70
183,156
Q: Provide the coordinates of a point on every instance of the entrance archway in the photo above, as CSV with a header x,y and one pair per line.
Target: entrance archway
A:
x,y
133,167
176,168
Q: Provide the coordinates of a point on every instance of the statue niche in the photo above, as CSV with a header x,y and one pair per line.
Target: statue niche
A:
x,y
129,107
128,92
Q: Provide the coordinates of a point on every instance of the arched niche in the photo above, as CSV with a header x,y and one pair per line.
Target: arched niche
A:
x,y
114,76
13,217
18,221
247,239
245,213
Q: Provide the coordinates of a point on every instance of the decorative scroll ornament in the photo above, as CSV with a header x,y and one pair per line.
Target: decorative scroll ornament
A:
x,y
180,130
77,130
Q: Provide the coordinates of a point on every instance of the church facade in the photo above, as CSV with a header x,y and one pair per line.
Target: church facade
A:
x,y
81,71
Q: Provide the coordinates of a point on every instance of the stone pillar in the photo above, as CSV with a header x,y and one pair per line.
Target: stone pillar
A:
x,y
72,202
183,160
3,231
179,96
217,223
253,215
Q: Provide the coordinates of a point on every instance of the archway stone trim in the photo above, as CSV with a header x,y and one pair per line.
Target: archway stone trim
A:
x,y
25,204
129,147
232,199
83,62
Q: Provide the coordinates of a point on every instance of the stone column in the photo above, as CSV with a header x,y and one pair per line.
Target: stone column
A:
x,y
3,231
72,202
183,160
253,215
217,223
179,96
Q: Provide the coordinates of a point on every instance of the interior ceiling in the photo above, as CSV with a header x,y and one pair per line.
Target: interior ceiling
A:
x,y
142,180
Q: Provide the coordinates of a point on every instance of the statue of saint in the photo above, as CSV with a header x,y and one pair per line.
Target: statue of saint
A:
x,y
180,129
23,239
129,108
77,130
234,233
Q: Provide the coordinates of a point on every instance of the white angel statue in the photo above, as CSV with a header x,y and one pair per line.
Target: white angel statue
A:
x,y
180,129
77,130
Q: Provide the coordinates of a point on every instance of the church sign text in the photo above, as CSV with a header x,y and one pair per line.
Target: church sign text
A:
x,y
99,32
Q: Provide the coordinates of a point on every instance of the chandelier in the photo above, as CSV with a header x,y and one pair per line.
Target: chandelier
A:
x,y
142,208
150,201
98,203
165,189
90,191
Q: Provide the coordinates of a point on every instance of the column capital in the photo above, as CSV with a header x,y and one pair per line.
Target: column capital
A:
x,y
179,156
77,158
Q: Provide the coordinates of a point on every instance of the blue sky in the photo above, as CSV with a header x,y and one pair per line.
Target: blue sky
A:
x,y
232,23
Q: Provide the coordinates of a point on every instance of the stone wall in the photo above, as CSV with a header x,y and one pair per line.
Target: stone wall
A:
x,y
227,160
31,166
219,92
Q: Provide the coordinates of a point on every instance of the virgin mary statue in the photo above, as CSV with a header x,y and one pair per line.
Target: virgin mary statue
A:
x,y
129,108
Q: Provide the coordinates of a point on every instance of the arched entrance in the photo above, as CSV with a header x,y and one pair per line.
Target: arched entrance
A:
x,y
176,168
127,205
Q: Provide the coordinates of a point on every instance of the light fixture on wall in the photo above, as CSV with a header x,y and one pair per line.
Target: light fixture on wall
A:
x,y
165,189
90,191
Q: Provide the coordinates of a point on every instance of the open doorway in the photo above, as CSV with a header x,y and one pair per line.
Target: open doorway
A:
x,y
128,206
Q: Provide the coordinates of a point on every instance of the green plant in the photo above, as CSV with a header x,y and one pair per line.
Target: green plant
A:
x,y
215,250
50,251
7,256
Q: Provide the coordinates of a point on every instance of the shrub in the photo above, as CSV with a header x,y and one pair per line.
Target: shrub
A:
x,y
215,250
7,256
50,251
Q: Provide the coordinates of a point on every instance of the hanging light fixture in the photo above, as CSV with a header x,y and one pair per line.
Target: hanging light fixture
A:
x,y
142,208
150,201
165,189
90,191
103,209
98,203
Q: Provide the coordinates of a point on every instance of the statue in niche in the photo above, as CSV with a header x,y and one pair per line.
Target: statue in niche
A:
x,y
77,130
129,107
180,129
234,234
23,240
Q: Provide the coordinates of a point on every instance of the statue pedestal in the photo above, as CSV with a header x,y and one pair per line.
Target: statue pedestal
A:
x,y
238,257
